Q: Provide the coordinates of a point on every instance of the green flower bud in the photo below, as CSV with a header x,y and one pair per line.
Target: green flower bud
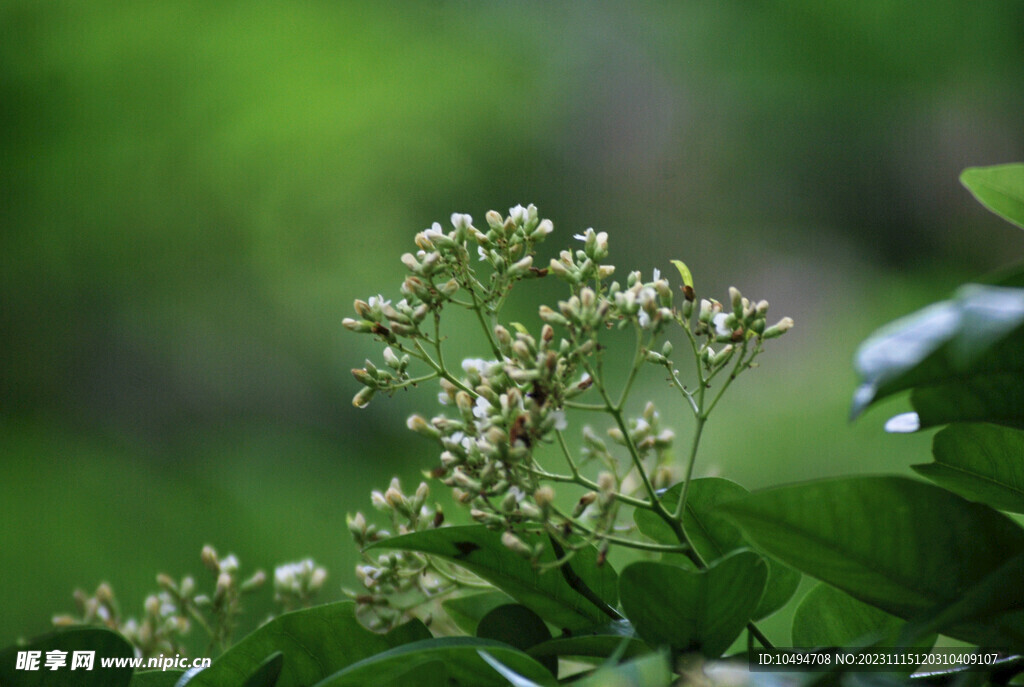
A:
x,y
514,543
779,328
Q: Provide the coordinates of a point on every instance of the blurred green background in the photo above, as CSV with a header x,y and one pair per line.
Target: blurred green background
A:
x,y
193,193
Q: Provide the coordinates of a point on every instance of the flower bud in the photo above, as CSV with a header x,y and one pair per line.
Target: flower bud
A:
x,y
582,504
411,263
209,558
543,229
737,301
417,424
779,328
494,220
605,271
152,606
544,497
359,326
514,543
223,585
257,580
229,563
362,399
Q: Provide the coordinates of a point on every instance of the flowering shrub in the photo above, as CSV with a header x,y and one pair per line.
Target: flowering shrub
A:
x,y
526,594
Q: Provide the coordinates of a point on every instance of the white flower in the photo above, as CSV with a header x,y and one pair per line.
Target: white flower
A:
x,y
434,231
482,408
442,397
479,365
481,252
377,301
656,274
643,319
580,237
518,214
560,423
460,220
721,328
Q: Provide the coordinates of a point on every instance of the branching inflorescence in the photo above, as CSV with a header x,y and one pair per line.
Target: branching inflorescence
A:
x,y
501,410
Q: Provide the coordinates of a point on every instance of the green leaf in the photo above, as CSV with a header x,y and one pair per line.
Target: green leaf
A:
x,y
600,641
999,188
713,536
514,678
903,546
156,678
828,617
689,610
653,670
315,643
961,357
517,626
684,272
981,462
480,551
267,673
104,643
993,609
459,655
466,611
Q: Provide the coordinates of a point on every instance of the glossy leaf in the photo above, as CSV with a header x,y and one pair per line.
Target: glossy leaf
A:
x,y
517,626
461,659
713,536
315,643
514,678
981,462
961,357
601,641
466,611
267,673
693,611
548,594
829,617
903,546
652,670
105,644
999,188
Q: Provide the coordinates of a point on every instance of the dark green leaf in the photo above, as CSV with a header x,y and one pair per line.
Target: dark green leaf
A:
x,y
459,655
156,678
981,462
104,644
903,546
517,626
429,674
267,673
693,611
480,551
466,611
992,610
829,617
713,536
315,643
653,670
961,357
999,188
601,641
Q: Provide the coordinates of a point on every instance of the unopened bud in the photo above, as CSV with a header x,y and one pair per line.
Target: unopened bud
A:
x,y
361,326
356,524
779,328
209,558
582,504
417,424
544,497
223,584
736,299
514,543
256,581
152,605
606,482
362,399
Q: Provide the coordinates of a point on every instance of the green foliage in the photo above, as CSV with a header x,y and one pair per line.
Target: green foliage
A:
x,y
981,462
693,610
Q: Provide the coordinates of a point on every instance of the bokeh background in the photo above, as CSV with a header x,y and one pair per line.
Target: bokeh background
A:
x,y
192,194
